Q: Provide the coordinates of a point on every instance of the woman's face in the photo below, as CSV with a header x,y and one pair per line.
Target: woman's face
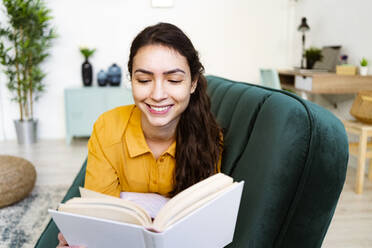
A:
x,y
161,85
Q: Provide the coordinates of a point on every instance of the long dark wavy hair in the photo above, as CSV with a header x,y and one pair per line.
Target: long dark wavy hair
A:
x,y
198,136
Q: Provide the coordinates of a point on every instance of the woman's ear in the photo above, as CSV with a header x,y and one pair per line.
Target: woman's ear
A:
x,y
194,84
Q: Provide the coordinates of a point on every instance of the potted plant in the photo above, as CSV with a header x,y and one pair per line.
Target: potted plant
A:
x,y
363,70
24,43
86,67
312,55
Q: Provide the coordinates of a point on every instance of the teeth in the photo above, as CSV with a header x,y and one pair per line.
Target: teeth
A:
x,y
159,109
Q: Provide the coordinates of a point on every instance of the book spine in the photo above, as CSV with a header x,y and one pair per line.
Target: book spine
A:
x,y
152,240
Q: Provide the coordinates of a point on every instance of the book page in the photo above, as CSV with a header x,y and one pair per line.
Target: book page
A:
x,y
189,197
90,194
193,207
151,202
104,211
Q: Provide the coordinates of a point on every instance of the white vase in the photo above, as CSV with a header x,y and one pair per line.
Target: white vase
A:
x,y
363,70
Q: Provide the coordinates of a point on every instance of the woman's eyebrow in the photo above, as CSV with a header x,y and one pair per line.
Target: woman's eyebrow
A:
x,y
165,73
174,71
144,71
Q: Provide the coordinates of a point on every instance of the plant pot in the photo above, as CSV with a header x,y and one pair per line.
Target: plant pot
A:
x,y
363,70
87,73
26,131
310,63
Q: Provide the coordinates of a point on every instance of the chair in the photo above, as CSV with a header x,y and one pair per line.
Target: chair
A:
x,y
292,155
361,149
270,78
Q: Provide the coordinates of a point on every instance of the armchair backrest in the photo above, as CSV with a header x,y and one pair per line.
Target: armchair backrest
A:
x,y
292,155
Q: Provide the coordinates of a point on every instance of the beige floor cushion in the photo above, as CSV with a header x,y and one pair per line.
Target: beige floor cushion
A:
x,y
17,179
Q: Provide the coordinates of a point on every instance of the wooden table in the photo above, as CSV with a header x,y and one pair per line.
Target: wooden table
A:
x,y
323,82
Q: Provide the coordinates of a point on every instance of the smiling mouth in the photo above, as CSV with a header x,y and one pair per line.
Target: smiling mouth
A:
x,y
159,109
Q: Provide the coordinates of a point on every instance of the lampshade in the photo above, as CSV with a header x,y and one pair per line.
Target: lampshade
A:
x,y
303,26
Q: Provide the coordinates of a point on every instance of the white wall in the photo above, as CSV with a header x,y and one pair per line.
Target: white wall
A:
x,y
234,39
338,22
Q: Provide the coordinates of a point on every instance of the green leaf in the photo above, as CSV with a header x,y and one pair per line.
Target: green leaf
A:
x,y
364,62
86,52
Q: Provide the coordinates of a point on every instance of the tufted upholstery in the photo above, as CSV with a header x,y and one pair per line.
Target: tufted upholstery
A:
x,y
292,155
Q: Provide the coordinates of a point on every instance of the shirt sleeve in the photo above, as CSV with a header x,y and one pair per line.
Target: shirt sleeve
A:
x,y
101,176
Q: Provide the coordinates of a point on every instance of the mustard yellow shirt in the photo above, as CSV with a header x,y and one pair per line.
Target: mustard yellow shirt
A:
x,y
119,158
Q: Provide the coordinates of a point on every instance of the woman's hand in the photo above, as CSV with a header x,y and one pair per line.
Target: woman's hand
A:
x,y
63,242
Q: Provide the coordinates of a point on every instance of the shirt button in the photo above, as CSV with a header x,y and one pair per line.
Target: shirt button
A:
x,y
161,160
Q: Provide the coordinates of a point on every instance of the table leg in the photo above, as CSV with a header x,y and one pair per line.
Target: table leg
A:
x,y
304,95
361,162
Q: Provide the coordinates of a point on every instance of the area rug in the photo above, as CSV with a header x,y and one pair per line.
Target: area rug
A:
x,y
22,223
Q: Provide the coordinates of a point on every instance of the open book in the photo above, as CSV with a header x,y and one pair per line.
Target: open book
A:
x,y
209,199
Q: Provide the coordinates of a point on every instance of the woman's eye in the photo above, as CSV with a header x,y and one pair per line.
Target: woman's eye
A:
x,y
174,81
143,80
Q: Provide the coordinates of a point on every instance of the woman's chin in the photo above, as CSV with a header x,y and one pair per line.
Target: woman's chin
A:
x,y
162,122
159,123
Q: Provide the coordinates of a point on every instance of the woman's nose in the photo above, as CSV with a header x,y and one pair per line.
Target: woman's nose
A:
x,y
158,91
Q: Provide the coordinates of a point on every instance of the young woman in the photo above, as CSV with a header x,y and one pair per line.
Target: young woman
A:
x,y
168,140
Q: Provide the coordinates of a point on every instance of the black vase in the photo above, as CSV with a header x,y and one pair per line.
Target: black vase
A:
x,y
310,63
87,72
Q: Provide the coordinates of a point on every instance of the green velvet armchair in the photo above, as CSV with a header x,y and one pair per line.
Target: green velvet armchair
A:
x,y
292,155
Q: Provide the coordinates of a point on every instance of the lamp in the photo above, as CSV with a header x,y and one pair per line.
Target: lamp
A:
x,y
303,28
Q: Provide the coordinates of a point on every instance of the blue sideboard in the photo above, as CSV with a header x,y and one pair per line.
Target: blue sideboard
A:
x,y
84,105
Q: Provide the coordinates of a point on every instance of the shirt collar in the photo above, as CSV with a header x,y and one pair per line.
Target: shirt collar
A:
x,y
172,149
136,142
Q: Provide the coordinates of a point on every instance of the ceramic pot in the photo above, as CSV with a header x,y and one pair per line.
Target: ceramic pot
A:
x,y
310,63
102,78
114,75
363,70
87,73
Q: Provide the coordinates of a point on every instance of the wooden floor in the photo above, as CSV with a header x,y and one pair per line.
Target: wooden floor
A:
x,y
57,163
351,226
